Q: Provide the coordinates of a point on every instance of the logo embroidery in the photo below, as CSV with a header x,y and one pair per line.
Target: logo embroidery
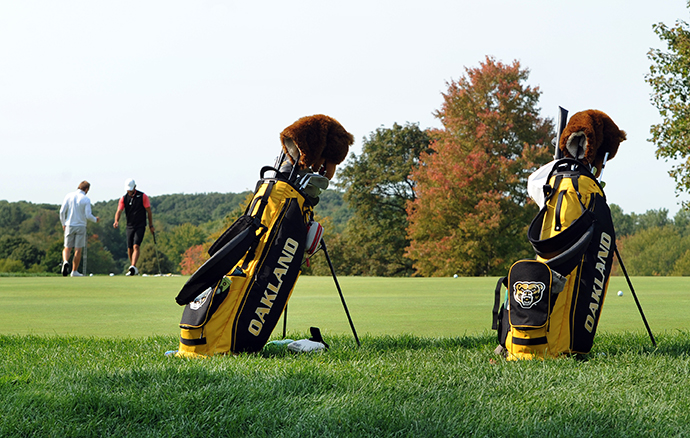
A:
x,y
528,293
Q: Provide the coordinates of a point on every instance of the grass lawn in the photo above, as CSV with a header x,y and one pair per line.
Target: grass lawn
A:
x,y
144,306
84,358
391,386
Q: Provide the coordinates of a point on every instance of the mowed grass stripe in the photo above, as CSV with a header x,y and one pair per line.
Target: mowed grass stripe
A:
x,y
438,307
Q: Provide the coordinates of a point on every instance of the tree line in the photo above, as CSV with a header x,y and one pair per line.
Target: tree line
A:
x,y
370,241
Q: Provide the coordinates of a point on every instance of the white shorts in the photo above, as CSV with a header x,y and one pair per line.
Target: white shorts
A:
x,y
75,237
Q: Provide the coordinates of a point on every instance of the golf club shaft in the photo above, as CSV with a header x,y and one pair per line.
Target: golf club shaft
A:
x,y
337,285
562,120
639,307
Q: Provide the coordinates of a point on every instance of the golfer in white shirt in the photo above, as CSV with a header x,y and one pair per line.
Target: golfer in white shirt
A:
x,y
75,211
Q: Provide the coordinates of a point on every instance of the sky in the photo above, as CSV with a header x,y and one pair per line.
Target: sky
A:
x,y
191,96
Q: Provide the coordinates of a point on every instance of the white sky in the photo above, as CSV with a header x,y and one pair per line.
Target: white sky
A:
x,y
190,96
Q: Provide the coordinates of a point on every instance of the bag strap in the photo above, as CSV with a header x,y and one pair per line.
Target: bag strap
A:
x,y
257,219
503,281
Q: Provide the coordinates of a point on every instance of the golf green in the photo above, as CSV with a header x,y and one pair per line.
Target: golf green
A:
x,y
142,306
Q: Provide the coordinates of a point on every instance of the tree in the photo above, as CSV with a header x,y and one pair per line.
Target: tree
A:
x,y
472,210
28,254
669,77
193,258
654,251
682,222
377,188
178,240
682,266
10,265
150,260
98,259
651,219
622,223
11,215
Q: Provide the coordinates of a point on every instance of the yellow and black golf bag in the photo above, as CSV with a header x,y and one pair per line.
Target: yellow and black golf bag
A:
x,y
235,299
552,304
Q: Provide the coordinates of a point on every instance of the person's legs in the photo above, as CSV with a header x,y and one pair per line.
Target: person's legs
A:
x,y
77,258
79,244
135,236
65,268
66,253
135,255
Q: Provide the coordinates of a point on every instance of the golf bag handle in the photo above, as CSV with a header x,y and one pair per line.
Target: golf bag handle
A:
x,y
269,169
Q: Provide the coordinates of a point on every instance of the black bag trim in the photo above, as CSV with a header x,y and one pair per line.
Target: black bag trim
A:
x,y
197,318
192,342
242,223
531,341
288,224
559,205
563,250
235,244
216,267
531,307
497,301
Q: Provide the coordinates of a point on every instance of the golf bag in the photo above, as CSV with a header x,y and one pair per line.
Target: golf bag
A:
x,y
233,301
553,304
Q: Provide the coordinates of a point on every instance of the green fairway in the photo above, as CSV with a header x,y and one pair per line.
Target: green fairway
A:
x,y
144,306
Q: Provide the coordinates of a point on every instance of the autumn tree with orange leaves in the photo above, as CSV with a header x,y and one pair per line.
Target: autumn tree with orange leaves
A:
x,y
471,213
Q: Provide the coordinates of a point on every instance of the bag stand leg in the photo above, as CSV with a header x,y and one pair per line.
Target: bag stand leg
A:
x,y
620,261
285,322
347,312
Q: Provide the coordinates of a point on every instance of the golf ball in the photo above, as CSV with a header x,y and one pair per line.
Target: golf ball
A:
x,y
455,276
620,293
112,275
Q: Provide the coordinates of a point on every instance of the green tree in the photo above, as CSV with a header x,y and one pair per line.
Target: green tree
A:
x,y
175,242
11,215
682,265
669,77
653,251
11,265
682,222
149,261
651,219
53,259
98,259
28,254
623,223
472,210
377,188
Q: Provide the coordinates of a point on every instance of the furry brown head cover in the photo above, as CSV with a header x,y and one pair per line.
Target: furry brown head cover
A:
x,y
588,136
318,141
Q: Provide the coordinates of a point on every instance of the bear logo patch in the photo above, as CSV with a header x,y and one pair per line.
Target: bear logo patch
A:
x,y
528,293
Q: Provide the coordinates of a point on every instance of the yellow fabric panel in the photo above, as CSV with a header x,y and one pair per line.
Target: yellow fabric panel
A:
x,y
571,208
516,351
